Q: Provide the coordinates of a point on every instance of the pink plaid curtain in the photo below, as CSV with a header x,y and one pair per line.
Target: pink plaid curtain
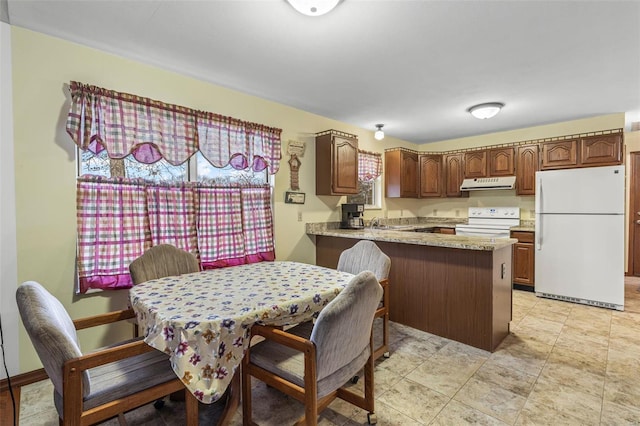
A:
x,y
113,229
123,123
369,165
258,224
172,215
119,219
220,235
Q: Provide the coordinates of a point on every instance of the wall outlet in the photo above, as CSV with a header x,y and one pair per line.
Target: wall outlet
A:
x,y
435,212
532,214
299,216
457,213
401,212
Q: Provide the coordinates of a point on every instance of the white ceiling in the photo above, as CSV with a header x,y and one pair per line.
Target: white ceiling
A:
x,y
415,66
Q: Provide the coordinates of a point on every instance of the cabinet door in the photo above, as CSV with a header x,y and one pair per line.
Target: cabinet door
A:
x,y
526,168
453,175
409,174
523,258
560,154
430,175
345,166
501,162
475,164
601,150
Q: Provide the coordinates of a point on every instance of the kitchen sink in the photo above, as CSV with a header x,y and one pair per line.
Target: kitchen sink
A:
x,y
394,227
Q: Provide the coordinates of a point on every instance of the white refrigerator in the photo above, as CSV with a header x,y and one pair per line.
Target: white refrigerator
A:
x,y
579,229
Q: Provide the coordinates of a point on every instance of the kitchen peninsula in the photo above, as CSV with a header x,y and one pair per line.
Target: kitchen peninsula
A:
x,y
456,287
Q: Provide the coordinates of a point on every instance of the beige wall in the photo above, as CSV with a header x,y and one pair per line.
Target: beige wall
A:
x,y
45,165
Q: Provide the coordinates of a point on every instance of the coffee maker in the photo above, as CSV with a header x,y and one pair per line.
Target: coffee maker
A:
x,y
352,216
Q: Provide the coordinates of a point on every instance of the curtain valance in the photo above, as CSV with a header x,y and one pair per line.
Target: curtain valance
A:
x,y
126,124
369,165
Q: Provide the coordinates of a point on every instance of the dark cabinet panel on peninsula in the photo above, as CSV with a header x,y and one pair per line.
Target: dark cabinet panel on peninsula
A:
x,y
461,294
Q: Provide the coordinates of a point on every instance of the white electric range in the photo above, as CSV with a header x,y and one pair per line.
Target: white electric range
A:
x,y
490,222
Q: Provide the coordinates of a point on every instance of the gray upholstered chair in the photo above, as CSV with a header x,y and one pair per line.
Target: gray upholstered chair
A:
x,y
90,388
366,256
163,260
312,362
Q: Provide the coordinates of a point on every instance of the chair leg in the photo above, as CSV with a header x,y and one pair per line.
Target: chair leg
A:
x,y
121,420
232,399
246,391
191,408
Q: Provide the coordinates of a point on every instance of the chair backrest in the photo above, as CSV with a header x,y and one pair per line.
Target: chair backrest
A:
x,y
163,260
51,331
343,328
365,255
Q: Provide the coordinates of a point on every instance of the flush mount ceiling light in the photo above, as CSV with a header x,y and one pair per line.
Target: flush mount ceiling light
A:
x,y
313,7
379,134
484,111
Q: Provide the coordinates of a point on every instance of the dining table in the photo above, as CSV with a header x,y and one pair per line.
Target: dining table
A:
x,y
203,320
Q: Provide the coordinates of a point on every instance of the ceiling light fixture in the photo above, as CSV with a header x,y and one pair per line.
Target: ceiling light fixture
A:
x,y
313,7
379,134
484,111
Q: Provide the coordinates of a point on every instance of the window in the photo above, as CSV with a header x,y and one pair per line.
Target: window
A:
x,y
370,194
163,171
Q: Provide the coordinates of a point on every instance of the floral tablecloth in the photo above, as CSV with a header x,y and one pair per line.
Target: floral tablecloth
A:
x,y
202,320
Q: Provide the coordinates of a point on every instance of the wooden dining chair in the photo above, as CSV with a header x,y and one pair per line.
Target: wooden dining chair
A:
x,y
93,387
365,255
312,362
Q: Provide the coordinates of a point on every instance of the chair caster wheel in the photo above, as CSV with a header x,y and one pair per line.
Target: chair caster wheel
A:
x,y
372,419
158,404
354,379
386,354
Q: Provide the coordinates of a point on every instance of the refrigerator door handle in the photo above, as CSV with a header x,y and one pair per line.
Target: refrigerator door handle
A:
x,y
538,223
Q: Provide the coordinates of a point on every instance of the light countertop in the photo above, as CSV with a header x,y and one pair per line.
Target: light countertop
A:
x,y
405,235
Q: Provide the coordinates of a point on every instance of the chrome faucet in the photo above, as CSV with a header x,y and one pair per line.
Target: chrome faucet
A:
x,y
374,222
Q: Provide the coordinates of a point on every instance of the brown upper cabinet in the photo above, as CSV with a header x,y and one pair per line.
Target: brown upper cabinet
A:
x,y
401,173
559,154
489,163
526,168
475,164
453,175
336,163
588,151
430,175
601,150
501,162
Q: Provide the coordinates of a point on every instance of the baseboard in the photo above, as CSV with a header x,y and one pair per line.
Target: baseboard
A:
x,y
523,287
23,379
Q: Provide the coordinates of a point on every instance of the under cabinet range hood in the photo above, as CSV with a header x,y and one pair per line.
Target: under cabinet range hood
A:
x,y
480,184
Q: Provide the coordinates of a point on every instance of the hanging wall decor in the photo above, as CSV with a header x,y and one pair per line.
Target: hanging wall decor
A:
x,y
295,149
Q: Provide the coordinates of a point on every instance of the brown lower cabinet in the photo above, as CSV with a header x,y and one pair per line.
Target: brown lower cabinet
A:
x,y
463,295
524,259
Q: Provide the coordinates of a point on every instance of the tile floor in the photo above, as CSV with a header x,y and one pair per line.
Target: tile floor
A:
x,y
562,364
